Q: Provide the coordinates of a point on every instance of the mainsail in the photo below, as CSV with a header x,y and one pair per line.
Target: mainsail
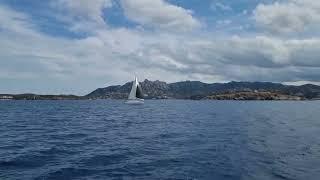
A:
x,y
136,91
139,93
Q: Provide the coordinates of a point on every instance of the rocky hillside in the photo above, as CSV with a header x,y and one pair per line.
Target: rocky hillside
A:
x,y
253,96
200,90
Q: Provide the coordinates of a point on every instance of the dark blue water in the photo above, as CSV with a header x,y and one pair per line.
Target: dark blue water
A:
x,y
104,139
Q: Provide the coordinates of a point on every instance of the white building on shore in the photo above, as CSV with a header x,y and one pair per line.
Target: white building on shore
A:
x,y
5,97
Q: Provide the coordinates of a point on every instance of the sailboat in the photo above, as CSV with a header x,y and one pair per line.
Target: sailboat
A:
x,y
136,95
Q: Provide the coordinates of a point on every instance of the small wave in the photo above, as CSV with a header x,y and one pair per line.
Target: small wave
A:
x,y
68,173
282,175
55,151
24,162
105,160
69,136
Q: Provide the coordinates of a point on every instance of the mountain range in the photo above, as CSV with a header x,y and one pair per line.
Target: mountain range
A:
x,y
195,90
199,90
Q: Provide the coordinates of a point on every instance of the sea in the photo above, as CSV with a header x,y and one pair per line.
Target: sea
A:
x,y
161,139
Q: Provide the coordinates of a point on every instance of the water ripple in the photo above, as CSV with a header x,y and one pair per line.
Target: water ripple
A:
x,y
107,139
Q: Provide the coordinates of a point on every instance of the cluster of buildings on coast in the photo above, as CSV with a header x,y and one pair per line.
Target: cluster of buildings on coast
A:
x,y
5,97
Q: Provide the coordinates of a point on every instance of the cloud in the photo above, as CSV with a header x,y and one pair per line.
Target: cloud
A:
x,y
26,52
91,9
12,21
224,22
160,14
288,17
114,55
82,15
220,6
260,58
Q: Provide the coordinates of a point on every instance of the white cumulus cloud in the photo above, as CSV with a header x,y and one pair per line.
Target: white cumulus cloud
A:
x,y
288,16
84,9
159,14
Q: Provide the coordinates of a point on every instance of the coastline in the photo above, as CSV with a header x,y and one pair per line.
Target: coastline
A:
x,y
192,90
216,97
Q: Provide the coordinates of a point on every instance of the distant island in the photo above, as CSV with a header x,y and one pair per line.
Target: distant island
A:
x,y
194,90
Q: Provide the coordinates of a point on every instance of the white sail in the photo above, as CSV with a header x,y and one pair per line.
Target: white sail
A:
x,y
133,91
136,95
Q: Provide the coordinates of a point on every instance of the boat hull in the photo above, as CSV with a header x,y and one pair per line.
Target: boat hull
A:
x,y
135,101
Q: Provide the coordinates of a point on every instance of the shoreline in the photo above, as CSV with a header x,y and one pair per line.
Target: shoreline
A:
x,y
244,100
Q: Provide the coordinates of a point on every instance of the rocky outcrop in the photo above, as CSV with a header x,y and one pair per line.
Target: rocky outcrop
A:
x,y
253,96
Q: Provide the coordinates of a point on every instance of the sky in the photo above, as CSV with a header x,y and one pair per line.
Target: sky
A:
x,y
75,46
